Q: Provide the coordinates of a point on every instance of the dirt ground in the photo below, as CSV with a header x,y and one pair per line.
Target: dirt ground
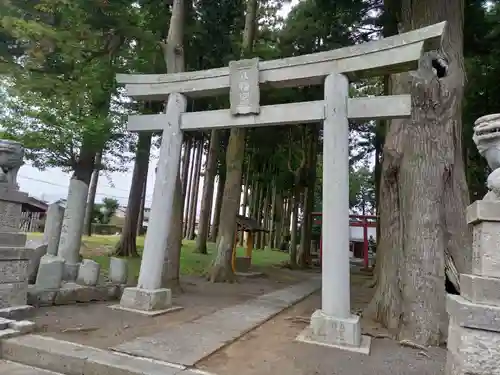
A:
x,y
96,325
272,349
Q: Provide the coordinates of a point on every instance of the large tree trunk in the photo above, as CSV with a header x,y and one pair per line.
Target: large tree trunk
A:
x,y
272,223
278,221
265,216
423,191
294,202
188,201
305,239
214,232
222,267
208,193
186,159
244,204
196,192
258,214
126,246
287,217
91,197
173,53
140,220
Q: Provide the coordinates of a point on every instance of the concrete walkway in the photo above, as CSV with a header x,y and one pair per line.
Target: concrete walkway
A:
x,y
191,342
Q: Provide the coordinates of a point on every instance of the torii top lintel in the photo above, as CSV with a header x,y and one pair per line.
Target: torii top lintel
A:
x,y
394,54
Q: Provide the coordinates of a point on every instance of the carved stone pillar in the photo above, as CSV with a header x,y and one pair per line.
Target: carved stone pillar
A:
x,y
474,328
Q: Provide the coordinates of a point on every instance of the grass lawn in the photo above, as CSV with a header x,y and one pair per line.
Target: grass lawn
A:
x,y
97,247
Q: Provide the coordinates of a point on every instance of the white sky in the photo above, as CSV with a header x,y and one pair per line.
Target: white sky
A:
x,y
52,184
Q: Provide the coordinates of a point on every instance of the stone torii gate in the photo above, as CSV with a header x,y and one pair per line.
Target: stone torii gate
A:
x,y
333,324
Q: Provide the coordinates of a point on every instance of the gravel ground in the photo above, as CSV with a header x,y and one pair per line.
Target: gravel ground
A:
x,y
271,349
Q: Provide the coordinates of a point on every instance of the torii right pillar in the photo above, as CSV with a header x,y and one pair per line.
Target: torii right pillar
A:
x,y
334,325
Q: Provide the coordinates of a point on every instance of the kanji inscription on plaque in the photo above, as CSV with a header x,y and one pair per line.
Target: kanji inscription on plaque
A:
x,y
244,94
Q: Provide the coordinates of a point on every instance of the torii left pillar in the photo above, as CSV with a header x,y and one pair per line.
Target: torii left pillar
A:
x,y
334,325
149,297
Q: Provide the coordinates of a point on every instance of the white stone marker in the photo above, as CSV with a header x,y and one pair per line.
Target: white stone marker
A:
x,y
50,272
88,272
148,296
334,325
53,225
72,228
118,270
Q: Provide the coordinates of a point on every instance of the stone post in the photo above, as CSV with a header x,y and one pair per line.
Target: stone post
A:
x,y
474,327
148,296
14,256
53,225
72,228
334,325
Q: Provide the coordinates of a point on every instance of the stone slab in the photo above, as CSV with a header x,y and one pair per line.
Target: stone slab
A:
x,y
13,239
12,368
13,294
17,312
22,326
473,315
50,272
10,212
480,211
307,336
185,344
71,293
75,359
4,323
190,342
151,313
472,351
146,300
480,289
8,333
485,245
15,253
13,271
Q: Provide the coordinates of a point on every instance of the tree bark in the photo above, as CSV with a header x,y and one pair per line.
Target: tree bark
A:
x,y
208,193
258,214
272,223
423,194
140,219
222,269
217,207
245,198
265,215
293,232
287,217
185,178
305,239
92,193
173,53
126,246
188,201
196,192
278,221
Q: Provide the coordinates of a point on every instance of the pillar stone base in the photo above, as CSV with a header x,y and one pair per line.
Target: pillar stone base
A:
x,y
336,332
147,302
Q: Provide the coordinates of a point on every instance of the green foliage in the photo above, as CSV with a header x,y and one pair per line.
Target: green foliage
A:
x,y
60,89
103,212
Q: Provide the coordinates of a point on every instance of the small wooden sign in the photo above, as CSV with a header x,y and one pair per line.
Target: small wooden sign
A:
x,y
244,92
